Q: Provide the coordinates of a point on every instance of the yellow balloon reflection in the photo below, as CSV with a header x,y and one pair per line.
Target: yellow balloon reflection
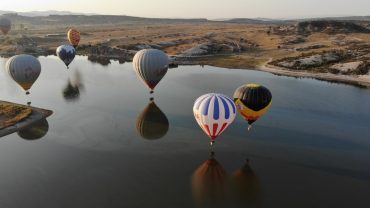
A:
x,y
152,123
35,131
245,185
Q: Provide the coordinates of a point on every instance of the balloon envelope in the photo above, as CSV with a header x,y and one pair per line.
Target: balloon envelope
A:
x,y
66,53
24,69
252,101
5,25
152,123
151,66
214,113
73,37
35,131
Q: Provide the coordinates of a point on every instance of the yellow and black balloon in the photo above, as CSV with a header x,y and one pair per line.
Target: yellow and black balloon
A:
x,y
252,101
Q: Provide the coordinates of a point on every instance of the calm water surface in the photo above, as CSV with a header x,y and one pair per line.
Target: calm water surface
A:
x,y
312,149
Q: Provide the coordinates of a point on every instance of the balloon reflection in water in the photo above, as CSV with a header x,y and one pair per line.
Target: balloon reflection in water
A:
x,y
71,92
246,186
35,131
5,25
152,123
24,69
209,183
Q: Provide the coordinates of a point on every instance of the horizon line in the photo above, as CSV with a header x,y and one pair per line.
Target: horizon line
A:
x,y
208,18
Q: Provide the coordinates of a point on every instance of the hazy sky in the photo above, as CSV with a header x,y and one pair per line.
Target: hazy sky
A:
x,y
199,8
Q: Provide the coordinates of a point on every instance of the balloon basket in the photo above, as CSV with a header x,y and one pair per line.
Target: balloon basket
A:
x,y
212,154
211,146
249,127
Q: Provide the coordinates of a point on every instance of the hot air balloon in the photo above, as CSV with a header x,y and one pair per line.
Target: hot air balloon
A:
x,y
214,113
151,65
152,123
66,53
35,131
245,185
73,37
24,69
252,101
209,183
5,25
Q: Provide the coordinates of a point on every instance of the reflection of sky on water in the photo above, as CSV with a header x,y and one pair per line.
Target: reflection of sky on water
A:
x,y
309,150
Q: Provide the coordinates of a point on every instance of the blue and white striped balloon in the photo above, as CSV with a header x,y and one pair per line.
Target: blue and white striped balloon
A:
x,y
214,113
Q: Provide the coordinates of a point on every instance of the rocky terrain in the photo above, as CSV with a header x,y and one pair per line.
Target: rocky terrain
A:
x,y
336,62
313,46
331,27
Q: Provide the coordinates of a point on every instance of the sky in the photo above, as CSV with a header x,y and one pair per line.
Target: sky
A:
x,y
211,9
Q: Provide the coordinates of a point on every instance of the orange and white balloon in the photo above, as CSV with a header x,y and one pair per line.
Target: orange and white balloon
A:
x,y
74,37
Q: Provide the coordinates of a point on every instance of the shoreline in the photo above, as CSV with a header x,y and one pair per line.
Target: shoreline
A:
x,y
360,80
355,80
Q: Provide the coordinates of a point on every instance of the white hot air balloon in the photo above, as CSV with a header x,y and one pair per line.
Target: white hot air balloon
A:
x,y
24,69
151,65
214,113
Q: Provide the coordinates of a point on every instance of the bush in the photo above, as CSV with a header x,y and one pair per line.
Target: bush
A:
x,y
364,68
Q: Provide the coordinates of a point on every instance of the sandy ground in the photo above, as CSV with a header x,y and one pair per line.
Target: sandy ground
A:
x,y
186,36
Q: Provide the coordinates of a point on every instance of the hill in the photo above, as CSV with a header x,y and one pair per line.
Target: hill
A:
x,y
43,13
91,20
331,26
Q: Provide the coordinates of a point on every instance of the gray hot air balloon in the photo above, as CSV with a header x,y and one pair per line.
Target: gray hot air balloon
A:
x,y
5,25
151,65
66,53
24,69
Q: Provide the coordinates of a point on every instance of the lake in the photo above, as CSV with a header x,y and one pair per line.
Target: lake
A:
x,y
311,149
